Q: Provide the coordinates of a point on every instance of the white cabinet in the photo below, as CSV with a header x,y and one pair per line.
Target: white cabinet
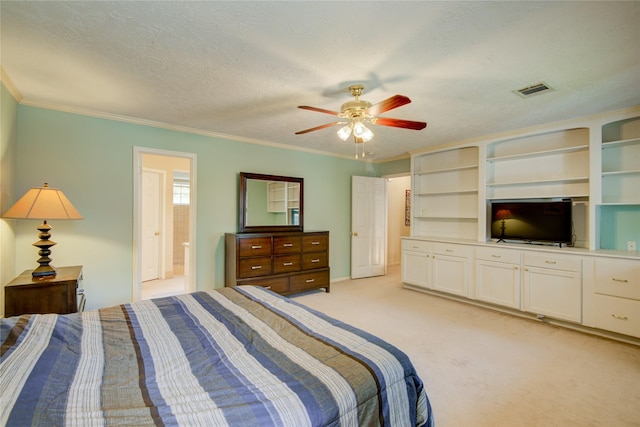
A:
x,y
450,264
613,299
416,263
553,286
498,276
445,194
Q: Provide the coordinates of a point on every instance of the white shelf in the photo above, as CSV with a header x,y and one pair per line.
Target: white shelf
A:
x,y
444,193
455,169
542,153
620,143
538,182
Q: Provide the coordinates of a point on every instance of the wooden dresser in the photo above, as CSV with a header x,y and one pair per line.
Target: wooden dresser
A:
x,y
285,262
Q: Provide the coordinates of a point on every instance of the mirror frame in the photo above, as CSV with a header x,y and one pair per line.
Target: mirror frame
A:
x,y
244,227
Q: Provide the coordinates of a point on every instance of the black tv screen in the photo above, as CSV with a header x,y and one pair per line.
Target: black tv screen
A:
x,y
532,221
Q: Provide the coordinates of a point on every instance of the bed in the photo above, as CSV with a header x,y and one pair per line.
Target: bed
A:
x,y
238,356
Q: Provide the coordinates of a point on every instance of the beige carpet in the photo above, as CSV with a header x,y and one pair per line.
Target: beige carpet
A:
x,y
484,368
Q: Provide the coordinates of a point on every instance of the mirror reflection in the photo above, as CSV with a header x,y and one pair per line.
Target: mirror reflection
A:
x,y
272,203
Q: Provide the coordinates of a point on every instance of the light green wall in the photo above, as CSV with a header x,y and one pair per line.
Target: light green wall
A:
x,y
91,160
618,225
8,146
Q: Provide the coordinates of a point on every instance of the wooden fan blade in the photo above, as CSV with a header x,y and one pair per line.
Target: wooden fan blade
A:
x,y
319,110
399,123
328,125
388,104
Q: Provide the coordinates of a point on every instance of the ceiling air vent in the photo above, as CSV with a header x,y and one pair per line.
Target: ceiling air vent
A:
x,y
535,89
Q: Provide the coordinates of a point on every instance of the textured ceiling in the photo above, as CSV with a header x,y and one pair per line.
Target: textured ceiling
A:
x,y
242,68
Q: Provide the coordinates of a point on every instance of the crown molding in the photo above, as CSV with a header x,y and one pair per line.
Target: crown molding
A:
x,y
8,83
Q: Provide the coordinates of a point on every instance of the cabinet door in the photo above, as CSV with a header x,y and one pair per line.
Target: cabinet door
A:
x,y
416,268
554,293
451,274
498,283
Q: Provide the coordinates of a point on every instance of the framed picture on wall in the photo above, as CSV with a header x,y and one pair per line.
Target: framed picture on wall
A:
x,y
407,207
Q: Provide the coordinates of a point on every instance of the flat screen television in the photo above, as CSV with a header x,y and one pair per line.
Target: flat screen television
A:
x,y
532,221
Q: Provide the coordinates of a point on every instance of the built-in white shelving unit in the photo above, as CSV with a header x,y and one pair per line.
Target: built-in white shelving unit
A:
x,y
554,164
621,163
445,193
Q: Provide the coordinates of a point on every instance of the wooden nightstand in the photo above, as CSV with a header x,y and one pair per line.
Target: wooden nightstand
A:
x,y
61,294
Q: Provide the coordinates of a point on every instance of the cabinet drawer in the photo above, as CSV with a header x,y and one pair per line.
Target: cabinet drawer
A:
x,y
553,261
451,249
254,246
498,255
315,243
286,263
314,260
286,245
416,245
300,282
254,267
617,315
618,278
278,284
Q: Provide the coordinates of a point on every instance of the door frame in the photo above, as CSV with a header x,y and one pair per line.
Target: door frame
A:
x,y
137,220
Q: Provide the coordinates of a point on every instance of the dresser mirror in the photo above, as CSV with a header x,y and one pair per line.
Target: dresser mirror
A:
x,y
270,203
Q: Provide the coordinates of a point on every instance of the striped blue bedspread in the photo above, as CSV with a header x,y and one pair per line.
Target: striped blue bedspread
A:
x,y
240,356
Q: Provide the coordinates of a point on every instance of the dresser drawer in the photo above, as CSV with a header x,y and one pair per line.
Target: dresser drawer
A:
x,y
451,249
286,263
304,281
315,243
416,245
498,255
314,260
286,245
254,246
553,261
254,267
618,278
617,314
277,284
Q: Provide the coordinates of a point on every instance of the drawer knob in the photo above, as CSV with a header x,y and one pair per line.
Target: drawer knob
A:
x,y
256,267
619,317
256,247
620,280
310,280
287,245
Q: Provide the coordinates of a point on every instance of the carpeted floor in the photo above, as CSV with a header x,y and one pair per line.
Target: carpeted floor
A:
x,y
484,368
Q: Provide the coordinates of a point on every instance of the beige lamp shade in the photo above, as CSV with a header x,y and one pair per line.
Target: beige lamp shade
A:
x,y
43,203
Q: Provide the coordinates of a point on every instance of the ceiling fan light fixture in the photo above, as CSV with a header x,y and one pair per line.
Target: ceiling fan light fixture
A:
x,y
362,132
344,132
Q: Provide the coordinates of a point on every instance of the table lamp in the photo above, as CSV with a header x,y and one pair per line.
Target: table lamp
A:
x,y
43,203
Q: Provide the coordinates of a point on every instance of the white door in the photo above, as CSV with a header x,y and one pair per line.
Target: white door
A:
x,y
368,226
151,224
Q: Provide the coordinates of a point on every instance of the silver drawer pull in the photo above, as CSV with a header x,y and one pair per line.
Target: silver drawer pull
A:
x,y
619,317
310,280
287,264
619,280
496,256
287,245
315,260
551,262
315,243
256,267
256,247
415,247
449,250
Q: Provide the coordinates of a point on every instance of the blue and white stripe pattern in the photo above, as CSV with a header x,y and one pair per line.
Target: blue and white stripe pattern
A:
x,y
229,357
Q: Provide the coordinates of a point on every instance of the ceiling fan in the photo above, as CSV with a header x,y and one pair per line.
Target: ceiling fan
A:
x,y
359,112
